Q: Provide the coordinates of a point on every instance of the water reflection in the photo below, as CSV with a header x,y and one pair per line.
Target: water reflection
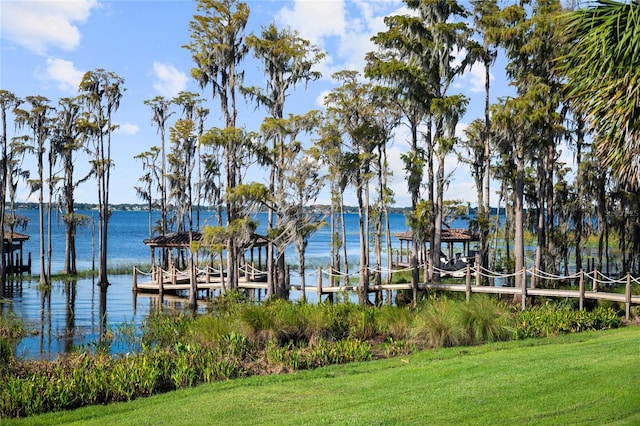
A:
x,y
70,323
74,314
102,315
45,320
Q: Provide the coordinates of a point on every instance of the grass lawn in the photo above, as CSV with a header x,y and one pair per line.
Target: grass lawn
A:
x,y
588,378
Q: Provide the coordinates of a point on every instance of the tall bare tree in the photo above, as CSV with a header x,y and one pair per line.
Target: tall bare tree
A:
x,y
101,92
217,47
8,101
38,119
288,61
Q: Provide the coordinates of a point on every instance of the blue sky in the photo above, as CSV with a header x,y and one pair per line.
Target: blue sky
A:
x,y
46,46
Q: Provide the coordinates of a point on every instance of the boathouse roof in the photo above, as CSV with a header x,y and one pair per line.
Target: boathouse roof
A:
x,y
17,236
181,240
453,235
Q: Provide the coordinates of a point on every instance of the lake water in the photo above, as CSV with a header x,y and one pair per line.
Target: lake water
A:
x,y
74,314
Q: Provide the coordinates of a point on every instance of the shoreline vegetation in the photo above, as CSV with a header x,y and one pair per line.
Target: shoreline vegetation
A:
x,y
238,339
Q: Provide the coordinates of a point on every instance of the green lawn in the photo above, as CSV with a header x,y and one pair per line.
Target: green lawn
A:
x,y
588,378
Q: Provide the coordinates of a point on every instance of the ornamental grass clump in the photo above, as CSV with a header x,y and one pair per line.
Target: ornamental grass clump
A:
x,y
484,320
438,325
258,324
394,323
210,329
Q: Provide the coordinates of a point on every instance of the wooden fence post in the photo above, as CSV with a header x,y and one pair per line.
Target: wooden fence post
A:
x,y
581,289
468,282
627,298
160,282
595,281
524,289
320,282
533,277
135,279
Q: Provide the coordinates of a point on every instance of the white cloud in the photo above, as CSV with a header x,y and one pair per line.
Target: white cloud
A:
x,y
39,25
321,97
315,20
473,79
128,129
63,73
168,80
344,29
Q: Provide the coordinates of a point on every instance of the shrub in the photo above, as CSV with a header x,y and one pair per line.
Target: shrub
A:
x,y
437,324
551,319
484,320
258,324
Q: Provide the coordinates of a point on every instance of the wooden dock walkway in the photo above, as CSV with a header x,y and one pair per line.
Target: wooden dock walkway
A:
x,y
210,280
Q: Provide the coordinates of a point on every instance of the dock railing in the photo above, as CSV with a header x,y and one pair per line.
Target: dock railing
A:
x,y
586,285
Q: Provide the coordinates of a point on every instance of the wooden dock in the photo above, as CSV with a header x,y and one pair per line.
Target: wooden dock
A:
x,y
210,280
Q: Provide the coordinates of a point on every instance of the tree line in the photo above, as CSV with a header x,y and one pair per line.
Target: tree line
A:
x,y
573,72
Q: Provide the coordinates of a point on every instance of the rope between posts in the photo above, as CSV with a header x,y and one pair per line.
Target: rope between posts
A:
x,y
138,271
493,274
392,271
604,279
548,276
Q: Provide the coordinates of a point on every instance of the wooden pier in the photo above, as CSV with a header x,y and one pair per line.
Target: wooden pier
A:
x,y
590,286
208,279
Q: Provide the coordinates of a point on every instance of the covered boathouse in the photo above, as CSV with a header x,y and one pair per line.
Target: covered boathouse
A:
x,y
13,253
172,273
458,247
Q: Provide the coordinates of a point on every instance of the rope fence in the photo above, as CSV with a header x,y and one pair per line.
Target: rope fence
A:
x,y
329,280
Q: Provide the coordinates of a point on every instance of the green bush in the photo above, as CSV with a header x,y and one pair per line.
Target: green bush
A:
x,y
552,319
438,325
484,320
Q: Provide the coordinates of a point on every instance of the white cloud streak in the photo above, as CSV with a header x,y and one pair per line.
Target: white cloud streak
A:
x,y
41,25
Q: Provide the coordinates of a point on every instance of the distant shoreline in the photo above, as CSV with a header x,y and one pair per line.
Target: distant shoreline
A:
x,y
144,207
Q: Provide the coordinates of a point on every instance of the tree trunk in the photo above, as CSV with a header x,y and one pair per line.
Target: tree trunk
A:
x,y
363,281
519,219
437,219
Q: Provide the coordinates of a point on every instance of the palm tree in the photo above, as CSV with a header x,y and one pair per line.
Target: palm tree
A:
x,y
602,72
